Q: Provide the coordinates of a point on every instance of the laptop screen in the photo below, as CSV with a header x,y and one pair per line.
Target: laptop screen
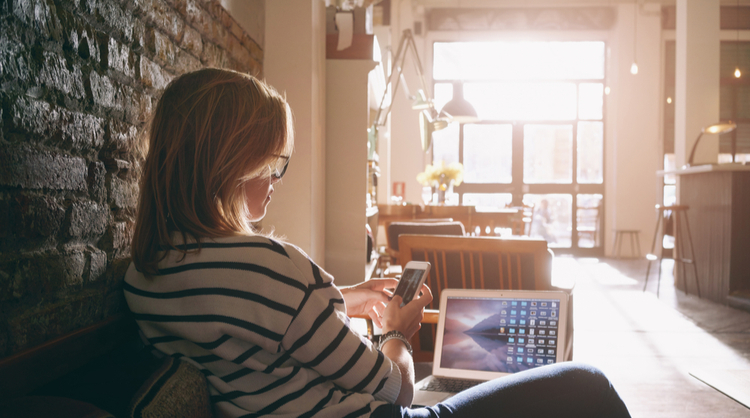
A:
x,y
504,334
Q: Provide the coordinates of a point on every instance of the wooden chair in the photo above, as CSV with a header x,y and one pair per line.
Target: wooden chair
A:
x,y
478,263
419,226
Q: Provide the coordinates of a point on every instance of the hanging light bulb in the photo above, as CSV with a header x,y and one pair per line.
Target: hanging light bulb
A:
x,y
634,69
737,72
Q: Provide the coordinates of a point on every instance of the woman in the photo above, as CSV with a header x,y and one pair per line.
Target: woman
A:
x,y
265,324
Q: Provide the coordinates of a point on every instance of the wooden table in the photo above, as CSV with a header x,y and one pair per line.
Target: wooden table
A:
x,y
475,222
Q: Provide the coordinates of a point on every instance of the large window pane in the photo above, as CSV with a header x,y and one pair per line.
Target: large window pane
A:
x,y
518,60
488,153
548,154
590,101
445,144
522,101
590,152
552,219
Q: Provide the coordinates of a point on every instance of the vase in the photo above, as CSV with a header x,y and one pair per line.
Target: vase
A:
x,y
444,187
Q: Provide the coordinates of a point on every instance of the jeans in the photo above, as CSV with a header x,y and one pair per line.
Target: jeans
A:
x,y
558,390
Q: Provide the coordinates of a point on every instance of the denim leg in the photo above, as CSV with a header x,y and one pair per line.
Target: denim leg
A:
x,y
560,390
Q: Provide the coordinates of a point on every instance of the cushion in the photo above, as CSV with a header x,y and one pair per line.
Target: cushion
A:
x,y
176,389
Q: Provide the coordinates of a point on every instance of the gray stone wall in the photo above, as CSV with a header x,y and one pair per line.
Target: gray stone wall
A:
x,y
78,79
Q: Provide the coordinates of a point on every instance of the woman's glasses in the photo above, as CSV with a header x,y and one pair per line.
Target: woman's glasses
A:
x,y
278,171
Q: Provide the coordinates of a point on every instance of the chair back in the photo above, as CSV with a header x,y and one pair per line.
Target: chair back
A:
x,y
480,262
437,227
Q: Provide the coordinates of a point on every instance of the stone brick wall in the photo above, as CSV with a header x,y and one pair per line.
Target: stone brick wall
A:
x,y
78,79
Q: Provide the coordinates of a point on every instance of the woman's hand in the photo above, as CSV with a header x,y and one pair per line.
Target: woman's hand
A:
x,y
407,319
369,298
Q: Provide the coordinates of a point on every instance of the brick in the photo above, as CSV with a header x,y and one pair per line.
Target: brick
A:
x,y
165,50
82,132
14,57
87,219
147,104
192,42
36,169
78,131
36,216
253,47
47,273
154,76
105,92
214,56
97,264
120,136
96,182
33,326
132,100
186,63
118,239
120,58
202,20
123,194
39,14
163,17
54,74
119,23
35,117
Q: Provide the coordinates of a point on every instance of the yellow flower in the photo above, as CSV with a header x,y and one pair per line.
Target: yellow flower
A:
x,y
432,173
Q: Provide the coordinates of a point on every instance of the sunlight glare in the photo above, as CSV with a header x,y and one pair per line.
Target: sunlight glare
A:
x,y
518,60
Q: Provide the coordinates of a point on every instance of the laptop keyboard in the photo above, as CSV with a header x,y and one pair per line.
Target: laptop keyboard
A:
x,y
449,385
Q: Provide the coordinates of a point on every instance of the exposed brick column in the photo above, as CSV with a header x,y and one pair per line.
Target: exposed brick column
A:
x,y
78,79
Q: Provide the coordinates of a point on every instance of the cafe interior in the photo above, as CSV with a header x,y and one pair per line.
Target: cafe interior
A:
x,y
590,125
596,147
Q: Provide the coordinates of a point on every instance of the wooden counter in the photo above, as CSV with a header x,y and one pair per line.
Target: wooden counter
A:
x,y
719,215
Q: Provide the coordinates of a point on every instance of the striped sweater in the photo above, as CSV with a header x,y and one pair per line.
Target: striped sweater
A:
x,y
266,326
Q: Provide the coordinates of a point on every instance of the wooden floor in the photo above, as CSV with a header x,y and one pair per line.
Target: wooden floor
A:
x,y
648,346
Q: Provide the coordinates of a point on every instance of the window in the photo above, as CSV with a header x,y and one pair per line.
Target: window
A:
x,y
541,136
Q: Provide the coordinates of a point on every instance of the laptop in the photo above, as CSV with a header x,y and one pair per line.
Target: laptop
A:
x,y
485,334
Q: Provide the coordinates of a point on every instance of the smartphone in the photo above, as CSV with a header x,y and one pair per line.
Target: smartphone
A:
x,y
414,275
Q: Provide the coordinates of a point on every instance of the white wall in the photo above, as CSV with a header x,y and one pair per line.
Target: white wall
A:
x,y
294,63
346,174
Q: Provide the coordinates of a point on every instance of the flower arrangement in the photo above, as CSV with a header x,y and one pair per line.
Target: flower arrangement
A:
x,y
441,174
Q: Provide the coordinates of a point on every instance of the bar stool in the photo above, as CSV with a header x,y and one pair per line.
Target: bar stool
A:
x,y
635,241
679,213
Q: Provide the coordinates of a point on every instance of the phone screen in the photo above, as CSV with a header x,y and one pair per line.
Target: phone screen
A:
x,y
408,285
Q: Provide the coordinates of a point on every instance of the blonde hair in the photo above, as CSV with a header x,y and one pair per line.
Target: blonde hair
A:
x,y
212,131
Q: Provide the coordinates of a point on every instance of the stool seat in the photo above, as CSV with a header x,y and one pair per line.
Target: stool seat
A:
x,y
680,222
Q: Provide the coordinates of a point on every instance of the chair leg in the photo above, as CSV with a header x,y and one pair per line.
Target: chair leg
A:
x,y
653,247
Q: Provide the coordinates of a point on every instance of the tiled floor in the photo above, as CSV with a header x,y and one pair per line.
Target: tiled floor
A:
x,y
648,346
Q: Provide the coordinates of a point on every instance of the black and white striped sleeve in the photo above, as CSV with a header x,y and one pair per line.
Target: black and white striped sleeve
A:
x,y
320,338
